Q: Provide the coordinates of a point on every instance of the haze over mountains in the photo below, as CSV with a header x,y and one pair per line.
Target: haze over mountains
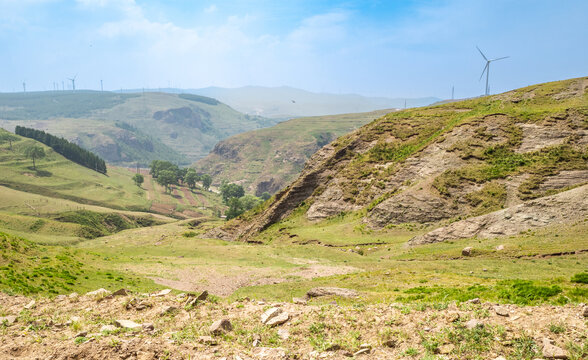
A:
x,y
289,102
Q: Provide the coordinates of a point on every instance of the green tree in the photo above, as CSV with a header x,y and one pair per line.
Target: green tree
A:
x,y
191,178
166,178
235,208
34,152
231,190
206,181
6,136
248,202
138,179
265,196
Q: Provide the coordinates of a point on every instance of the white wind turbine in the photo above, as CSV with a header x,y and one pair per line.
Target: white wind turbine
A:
x,y
487,68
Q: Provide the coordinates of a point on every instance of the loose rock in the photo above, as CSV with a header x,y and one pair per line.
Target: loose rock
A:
x,y
473,323
220,326
108,328
501,310
284,334
551,351
98,293
270,313
148,327
326,291
162,292
467,251
30,305
8,320
127,324
207,340
121,292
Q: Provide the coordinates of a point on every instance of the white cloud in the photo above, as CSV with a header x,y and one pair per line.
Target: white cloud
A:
x,y
210,9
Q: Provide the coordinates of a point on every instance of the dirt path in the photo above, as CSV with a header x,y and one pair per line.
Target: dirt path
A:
x,y
189,197
176,195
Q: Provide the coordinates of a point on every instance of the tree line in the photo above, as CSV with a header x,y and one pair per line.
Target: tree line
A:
x,y
166,174
61,146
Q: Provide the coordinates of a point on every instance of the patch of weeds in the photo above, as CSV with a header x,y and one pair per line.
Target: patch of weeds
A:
x,y
80,340
577,351
431,343
410,352
470,341
525,347
189,234
558,328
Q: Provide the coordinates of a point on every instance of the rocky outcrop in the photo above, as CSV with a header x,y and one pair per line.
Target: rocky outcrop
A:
x,y
564,207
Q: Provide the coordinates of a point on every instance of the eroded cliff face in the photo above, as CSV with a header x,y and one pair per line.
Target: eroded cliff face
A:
x,y
434,164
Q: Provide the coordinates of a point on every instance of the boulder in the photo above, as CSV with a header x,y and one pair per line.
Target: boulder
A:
x,y
334,291
278,319
127,324
220,326
121,292
299,301
467,251
98,293
270,313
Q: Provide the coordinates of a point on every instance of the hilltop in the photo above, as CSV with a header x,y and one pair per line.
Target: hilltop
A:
x,y
444,163
130,128
268,159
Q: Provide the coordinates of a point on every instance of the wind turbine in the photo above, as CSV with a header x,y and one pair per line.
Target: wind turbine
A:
x,y
73,82
487,68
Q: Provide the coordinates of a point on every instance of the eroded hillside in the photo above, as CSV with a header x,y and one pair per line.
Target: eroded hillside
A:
x,y
444,163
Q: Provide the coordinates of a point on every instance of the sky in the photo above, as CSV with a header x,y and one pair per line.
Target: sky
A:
x,y
375,48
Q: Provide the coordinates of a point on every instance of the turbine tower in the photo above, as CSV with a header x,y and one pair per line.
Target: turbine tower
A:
x,y
73,82
24,86
487,68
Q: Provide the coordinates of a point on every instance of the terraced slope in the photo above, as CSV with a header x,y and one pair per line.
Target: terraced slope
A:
x,y
269,159
443,163
130,128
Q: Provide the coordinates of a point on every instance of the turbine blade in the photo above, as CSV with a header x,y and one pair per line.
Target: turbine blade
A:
x,y
483,71
500,58
481,53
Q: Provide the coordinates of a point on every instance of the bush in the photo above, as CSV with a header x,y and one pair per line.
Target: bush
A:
x,y
581,278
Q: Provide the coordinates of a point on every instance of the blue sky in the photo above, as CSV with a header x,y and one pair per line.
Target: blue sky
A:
x,y
377,48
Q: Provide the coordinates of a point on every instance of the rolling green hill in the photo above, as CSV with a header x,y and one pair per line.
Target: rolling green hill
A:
x,y
130,128
268,159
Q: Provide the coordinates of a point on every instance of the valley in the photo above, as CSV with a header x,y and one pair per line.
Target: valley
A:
x,y
453,231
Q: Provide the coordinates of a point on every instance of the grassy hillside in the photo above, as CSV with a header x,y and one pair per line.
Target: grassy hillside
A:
x,y
445,163
268,159
129,128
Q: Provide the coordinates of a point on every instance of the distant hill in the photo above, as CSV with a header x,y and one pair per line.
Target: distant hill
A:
x,y
268,159
130,128
437,165
286,102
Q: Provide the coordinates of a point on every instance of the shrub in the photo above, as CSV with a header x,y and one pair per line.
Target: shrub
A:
x,y
581,278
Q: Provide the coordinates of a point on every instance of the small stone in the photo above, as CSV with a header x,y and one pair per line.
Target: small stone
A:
x,y
7,320
467,251
500,358
30,305
60,298
81,334
473,323
121,292
269,353
284,334
108,328
474,301
270,313
278,319
361,352
299,301
501,310
446,349
167,310
148,327
452,316
365,346
100,293
203,295
75,319
500,248
389,343
220,326
162,292
207,340
256,343
551,351
585,311
73,295
127,324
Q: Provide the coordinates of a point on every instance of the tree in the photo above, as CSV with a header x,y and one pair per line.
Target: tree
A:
x,y
235,208
265,196
138,179
248,202
206,181
34,152
231,190
191,178
157,166
6,136
166,178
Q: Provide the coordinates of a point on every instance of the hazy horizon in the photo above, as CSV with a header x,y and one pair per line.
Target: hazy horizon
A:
x,y
371,48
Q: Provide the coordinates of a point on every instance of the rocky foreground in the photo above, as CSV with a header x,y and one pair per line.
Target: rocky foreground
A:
x,y
123,325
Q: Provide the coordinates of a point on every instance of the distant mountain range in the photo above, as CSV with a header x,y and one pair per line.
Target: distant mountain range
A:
x,y
286,102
